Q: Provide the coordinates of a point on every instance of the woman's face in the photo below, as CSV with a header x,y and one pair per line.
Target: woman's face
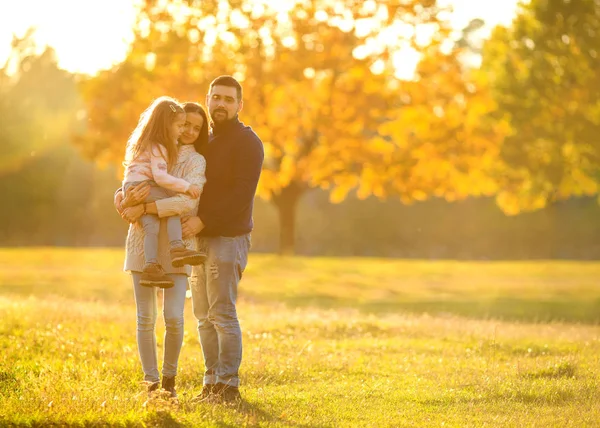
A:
x,y
178,125
192,128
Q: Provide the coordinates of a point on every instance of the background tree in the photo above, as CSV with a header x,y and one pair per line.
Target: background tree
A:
x,y
321,91
546,82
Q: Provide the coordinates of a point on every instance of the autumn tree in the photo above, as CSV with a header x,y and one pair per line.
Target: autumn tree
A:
x,y
546,82
321,89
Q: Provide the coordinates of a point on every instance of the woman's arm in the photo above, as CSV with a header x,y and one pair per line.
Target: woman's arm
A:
x,y
182,203
130,208
135,196
132,214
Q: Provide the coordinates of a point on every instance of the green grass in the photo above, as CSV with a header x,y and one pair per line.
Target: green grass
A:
x,y
327,342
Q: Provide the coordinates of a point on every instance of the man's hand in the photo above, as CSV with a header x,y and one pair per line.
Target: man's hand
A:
x,y
136,195
191,226
194,191
132,214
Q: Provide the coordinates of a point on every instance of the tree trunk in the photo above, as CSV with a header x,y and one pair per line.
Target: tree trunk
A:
x,y
287,202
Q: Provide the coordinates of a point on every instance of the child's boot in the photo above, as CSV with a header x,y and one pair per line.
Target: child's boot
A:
x,y
154,275
182,256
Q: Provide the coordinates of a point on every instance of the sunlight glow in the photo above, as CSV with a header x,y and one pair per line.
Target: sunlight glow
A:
x,y
405,61
86,35
378,67
102,31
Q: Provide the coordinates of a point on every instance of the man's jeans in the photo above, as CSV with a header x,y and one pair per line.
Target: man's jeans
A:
x,y
214,295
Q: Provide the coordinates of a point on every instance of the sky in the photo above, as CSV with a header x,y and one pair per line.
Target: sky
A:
x,y
89,35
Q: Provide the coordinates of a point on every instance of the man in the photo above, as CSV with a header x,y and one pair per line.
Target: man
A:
x,y
234,157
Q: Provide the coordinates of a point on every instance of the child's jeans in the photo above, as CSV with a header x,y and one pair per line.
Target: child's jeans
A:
x,y
151,223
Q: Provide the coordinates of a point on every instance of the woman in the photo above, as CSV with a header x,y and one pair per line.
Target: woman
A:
x,y
191,167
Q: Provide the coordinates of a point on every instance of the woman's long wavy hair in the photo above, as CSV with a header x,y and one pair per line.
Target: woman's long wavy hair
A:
x,y
202,140
154,127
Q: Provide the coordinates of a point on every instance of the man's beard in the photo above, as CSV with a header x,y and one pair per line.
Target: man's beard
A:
x,y
224,118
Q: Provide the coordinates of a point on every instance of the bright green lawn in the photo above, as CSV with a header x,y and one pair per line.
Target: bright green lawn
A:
x,y
328,342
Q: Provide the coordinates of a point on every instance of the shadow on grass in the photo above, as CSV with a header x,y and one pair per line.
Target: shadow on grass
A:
x,y
162,419
250,413
502,308
255,414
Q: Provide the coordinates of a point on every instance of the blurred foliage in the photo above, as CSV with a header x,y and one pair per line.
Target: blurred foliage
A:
x,y
36,93
49,193
545,78
337,124
319,90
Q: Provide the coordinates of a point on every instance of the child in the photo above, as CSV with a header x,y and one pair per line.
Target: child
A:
x,y
151,152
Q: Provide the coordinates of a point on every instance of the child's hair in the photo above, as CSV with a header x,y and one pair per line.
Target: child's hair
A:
x,y
202,140
154,127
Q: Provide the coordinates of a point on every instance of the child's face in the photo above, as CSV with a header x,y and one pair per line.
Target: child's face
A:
x,y
177,126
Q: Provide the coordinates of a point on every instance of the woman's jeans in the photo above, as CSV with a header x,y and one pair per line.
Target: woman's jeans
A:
x,y
173,303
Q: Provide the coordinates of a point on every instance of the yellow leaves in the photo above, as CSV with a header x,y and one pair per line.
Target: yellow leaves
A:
x,y
287,170
513,204
357,72
481,183
419,195
508,203
277,174
325,119
577,183
338,194
383,147
372,181
267,184
416,118
363,191
343,185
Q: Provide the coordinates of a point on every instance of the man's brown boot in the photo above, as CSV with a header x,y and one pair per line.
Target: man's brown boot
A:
x,y
229,394
207,394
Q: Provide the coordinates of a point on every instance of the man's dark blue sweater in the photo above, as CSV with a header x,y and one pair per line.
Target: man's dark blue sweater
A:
x,y
234,157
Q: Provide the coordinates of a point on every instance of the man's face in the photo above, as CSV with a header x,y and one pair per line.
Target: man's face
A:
x,y
222,103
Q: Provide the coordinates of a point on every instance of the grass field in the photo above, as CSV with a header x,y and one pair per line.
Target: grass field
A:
x,y
327,342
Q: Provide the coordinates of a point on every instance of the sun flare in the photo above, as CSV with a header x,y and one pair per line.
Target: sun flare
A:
x,y
89,36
